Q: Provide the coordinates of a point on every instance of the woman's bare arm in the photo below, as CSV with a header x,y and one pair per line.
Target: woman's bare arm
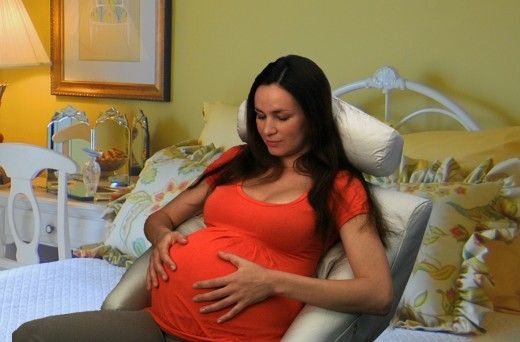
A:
x,y
370,291
159,229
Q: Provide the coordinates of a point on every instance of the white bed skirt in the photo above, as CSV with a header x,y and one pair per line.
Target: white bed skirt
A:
x,y
35,291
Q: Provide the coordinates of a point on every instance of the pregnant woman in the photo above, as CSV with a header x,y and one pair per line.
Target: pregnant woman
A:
x,y
272,207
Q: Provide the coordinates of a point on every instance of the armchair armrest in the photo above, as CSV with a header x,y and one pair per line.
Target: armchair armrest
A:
x,y
130,293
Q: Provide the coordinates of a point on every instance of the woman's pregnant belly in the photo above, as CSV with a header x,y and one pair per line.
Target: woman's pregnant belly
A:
x,y
176,312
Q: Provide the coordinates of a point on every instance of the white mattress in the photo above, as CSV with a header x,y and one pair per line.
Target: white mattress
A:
x,y
500,327
35,291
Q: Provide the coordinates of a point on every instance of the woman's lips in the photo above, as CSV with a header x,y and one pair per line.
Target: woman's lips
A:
x,y
272,143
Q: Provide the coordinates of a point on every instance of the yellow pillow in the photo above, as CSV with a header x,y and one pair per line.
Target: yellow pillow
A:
x,y
468,148
220,125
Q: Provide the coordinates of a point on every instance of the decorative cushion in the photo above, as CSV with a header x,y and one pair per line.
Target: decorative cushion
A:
x,y
166,174
372,146
445,291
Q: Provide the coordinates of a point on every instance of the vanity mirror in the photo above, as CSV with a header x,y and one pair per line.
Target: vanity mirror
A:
x,y
140,143
113,143
69,133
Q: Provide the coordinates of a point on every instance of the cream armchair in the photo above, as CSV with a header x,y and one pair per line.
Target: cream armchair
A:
x,y
375,149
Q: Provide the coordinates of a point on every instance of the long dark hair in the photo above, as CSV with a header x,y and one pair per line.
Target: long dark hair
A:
x,y
309,86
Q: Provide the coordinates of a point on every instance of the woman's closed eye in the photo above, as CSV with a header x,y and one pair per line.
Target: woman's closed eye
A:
x,y
279,117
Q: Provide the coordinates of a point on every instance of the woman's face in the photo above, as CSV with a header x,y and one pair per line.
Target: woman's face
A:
x,y
281,123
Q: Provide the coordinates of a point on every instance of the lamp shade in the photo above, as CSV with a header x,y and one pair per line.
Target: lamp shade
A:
x,y
19,43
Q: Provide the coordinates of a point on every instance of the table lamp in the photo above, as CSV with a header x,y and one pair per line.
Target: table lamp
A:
x,y
20,45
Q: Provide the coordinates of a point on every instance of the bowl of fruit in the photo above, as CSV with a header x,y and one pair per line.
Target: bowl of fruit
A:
x,y
111,159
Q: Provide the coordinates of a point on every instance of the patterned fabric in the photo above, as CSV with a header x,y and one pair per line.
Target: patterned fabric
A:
x,y
445,291
165,175
503,258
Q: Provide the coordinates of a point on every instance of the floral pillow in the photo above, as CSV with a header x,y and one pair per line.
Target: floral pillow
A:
x,y
165,175
445,291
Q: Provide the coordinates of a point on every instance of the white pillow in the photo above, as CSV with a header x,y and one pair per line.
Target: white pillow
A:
x,y
219,125
370,145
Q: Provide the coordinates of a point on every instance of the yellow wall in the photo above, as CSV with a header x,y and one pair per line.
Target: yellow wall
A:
x,y
469,49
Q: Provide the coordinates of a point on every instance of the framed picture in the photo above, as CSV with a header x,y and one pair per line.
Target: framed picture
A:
x,y
111,48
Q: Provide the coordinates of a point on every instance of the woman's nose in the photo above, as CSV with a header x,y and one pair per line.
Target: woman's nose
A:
x,y
269,127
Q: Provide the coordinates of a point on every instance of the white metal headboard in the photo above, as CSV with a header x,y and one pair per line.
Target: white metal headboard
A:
x,y
387,79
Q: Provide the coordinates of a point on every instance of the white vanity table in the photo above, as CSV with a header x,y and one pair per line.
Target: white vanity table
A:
x,y
86,224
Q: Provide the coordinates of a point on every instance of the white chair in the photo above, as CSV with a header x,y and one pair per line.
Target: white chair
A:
x,y
22,163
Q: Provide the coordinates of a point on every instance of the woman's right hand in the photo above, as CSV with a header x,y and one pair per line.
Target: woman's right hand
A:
x,y
160,257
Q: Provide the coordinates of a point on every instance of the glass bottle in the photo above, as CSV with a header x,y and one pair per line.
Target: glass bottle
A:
x,y
91,172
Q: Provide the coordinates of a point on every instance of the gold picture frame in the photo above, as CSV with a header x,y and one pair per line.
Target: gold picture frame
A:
x,y
121,50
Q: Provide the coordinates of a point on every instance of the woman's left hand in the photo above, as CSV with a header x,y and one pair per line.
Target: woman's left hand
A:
x,y
239,289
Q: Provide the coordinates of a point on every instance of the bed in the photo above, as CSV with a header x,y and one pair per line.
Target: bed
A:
x,y
485,159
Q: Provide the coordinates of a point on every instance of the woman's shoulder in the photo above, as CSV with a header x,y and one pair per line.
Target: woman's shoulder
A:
x,y
234,150
351,197
348,184
225,157
230,153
